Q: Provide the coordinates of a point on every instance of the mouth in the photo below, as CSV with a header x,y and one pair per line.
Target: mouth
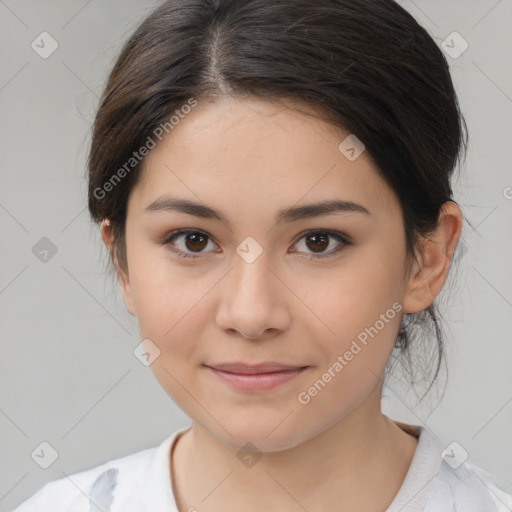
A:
x,y
259,377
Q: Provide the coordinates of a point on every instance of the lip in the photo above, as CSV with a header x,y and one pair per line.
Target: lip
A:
x,y
259,377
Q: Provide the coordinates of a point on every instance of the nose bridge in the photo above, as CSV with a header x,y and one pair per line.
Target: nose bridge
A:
x,y
251,278
251,303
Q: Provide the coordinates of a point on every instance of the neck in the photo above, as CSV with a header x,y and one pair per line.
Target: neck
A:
x,y
359,461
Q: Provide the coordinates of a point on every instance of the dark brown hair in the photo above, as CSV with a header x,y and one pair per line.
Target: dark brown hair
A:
x,y
366,66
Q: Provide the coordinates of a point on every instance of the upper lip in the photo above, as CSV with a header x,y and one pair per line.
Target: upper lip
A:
x,y
250,369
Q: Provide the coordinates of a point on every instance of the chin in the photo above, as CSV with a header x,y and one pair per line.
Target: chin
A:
x,y
272,433
261,440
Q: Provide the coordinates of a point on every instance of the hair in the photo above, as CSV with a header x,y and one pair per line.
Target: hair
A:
x,y
365,66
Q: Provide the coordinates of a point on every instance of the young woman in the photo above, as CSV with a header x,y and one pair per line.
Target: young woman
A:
x,y
272,182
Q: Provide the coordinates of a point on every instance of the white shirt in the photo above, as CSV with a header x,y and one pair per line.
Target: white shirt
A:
x,y
141,482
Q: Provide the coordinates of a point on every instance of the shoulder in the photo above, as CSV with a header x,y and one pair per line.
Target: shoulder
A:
x,y
441,479
461,485
470,488
499,491
93,489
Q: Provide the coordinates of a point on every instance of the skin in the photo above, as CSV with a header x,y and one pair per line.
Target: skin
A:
x,y
249,158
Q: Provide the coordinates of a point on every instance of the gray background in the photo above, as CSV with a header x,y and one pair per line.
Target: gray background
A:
x,y
68,375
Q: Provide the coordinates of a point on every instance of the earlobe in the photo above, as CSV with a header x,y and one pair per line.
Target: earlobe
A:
x,y
126,291
429,277
123,279
419,294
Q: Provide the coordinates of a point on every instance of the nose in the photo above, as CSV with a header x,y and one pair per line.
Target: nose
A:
x,y
253,300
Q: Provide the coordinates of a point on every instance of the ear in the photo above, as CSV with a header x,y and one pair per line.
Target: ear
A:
x,y
428,277
107,236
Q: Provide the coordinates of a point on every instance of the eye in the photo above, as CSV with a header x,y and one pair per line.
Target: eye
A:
x,y
193,240
196,242
319,240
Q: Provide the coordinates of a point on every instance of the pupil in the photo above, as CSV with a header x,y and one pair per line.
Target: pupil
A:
x,y
193,239
323,238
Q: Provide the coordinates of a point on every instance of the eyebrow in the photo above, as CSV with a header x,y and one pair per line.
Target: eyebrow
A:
x,y
287,215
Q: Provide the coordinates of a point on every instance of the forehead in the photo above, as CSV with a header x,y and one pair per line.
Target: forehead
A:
x,y
251,150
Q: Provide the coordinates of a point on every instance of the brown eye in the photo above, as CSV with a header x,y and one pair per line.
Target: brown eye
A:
x,y
190,243
186,242
318,241
195,241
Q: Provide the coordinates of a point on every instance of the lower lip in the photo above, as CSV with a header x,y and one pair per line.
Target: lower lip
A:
x,y
257,382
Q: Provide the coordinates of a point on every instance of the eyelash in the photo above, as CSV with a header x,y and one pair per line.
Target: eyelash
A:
x,y
175,234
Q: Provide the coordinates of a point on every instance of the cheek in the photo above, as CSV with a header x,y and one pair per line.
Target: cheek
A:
x,y
362,308
354,299
171,313
169,304
365,322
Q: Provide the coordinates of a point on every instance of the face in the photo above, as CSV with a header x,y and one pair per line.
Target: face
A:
x,y
323,292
